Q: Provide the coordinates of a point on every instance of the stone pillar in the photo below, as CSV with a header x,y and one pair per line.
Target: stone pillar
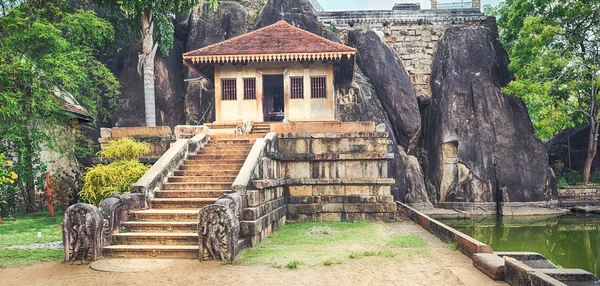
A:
x,y
433,4
476,4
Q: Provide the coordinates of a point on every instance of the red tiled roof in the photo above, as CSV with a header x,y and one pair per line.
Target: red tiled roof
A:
x,y
73,108
280,41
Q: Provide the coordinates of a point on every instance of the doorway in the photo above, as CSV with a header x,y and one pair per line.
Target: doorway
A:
x,y
273,101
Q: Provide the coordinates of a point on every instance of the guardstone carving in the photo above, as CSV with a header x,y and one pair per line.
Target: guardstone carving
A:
x,y
82,233
218,231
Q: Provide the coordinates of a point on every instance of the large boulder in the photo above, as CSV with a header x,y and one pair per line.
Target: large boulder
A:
x,y
361,103
201,28
558,149
299,13
480,143
168,72
392,84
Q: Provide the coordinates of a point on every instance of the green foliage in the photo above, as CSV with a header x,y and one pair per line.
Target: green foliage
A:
x,y
553,48
573,177
128,13
332,261
595,178
562,182
124,149
453,245
14,258
101,181
47,58
293,264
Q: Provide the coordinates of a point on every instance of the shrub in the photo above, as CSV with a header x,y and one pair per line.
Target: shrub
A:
x,y
595,178
573,177
101,181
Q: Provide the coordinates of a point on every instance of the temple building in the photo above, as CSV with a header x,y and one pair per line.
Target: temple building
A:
x,y
274,73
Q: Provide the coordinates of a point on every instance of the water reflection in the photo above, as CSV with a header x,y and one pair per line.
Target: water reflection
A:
x,y
570,241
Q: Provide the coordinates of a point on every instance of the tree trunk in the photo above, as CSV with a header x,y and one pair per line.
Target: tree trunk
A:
x,y
29,195
147,62
593,138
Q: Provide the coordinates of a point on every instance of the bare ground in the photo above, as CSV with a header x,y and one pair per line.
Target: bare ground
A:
x,y
443,266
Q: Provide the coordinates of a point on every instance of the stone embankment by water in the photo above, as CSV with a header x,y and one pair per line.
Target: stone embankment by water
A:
x,y
516,268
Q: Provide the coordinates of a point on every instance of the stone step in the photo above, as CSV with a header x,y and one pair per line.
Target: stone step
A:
x,y
224,151
180,194
152,251
152,238
227,147
189,215
197,186
208,173
200,159
160,226
207,167
223,157
181,203
200,179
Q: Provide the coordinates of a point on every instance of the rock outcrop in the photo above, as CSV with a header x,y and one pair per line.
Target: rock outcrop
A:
x,y
480,143
201,28
558,149
391,82
299,13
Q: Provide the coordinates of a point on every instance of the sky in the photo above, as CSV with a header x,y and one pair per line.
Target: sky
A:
x,y
342,5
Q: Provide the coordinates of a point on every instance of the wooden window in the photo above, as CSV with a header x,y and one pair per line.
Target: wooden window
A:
x,y
317,87
297,87
228,89
250,89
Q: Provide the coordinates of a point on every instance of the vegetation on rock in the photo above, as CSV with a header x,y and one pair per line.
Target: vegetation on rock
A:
x,y
554,49
101,181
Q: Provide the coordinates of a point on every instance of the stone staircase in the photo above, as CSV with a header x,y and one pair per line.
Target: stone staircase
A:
x,y
169,228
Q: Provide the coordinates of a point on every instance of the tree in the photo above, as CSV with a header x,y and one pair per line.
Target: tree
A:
x,y
553,46
153,19
46,58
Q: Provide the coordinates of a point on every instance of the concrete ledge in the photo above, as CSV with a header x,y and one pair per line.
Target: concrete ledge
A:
x,y
299,157
333,126
491,265
517,273
466,244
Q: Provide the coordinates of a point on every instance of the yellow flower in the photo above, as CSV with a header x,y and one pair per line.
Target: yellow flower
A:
x,y
9,163
11,181
14,175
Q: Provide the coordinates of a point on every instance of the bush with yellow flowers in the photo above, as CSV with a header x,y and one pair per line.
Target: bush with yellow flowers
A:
x,y
7,177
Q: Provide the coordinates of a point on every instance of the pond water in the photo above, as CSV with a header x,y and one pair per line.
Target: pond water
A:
x,y
569,241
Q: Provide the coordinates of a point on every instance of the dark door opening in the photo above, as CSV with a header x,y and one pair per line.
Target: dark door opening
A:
x,y
273,104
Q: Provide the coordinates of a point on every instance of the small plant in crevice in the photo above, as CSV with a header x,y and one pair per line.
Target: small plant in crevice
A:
x,y
453,245
293,264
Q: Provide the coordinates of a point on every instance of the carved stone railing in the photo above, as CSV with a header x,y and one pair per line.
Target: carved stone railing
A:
x,y
87,228
166,165
219,224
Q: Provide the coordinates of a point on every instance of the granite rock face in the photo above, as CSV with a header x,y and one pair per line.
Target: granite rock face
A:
x,y
558,149
361,103
299,13
391,82
480,143
201,28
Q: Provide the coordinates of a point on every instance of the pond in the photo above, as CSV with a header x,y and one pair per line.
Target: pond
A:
x,y
569,241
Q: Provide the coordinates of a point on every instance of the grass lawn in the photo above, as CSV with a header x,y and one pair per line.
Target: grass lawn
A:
x,y
23,230
331,243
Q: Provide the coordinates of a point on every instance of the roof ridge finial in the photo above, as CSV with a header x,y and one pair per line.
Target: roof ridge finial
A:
x,y
282,14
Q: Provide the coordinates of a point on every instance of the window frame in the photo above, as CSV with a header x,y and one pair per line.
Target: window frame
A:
x,y
297,92
318,87
249,91
228,93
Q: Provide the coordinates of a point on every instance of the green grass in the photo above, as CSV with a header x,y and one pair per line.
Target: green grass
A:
x,y
23,230
453,245
20,258
329,244
407,241
293,264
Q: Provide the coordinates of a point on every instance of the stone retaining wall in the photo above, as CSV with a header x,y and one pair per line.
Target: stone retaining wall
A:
x,y
336,176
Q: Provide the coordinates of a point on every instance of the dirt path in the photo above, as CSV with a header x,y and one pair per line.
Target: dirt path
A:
x,y
443,266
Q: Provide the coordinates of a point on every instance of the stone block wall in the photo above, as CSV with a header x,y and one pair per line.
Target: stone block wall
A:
x,y
265,212
336,176
415,44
